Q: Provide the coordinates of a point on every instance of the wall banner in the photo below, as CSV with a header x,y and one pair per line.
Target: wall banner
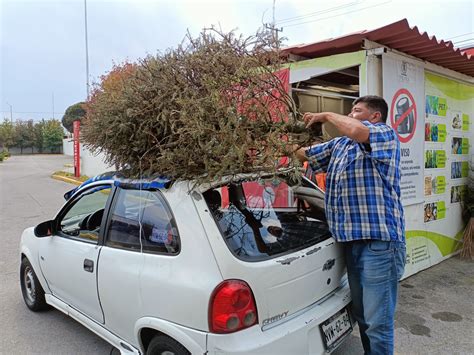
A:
x,y
403,89
434,228
77,149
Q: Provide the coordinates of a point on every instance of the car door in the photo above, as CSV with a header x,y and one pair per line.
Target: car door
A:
x,y
141,227
69,258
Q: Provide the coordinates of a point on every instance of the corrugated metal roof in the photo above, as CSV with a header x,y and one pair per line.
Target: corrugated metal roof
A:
x,y
400,36
469,51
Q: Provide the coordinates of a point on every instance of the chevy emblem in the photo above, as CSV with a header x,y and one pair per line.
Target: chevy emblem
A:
x,y
329,264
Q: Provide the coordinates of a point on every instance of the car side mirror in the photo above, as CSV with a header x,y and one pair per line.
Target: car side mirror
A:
x,y
44,229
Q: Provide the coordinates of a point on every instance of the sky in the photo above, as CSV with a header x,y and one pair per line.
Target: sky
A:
x,y
43,51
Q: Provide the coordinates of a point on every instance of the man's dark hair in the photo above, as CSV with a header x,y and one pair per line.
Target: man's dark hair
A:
x,y
374,103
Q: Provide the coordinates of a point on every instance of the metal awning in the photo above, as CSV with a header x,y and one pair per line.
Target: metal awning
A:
x,y
398,35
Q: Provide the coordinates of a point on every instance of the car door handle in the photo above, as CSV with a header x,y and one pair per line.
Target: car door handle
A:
x,y
88,265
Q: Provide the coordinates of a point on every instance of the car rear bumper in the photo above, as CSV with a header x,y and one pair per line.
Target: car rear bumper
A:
x,y
298,335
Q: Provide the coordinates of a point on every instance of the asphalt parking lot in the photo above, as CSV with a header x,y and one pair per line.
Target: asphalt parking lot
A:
x,y
434,316
28,196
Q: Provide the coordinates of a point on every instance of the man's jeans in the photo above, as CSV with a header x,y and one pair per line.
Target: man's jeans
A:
x,y
374,268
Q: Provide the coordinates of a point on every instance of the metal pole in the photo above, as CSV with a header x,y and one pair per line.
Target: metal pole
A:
x,y
87,49
53,105
273,20
275,32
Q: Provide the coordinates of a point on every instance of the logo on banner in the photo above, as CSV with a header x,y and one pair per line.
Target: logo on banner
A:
x,y
403,115
404,69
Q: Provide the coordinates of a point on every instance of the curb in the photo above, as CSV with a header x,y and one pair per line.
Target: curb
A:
x,y
66,179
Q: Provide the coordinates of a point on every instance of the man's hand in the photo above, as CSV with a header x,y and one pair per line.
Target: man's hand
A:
x,y
311,118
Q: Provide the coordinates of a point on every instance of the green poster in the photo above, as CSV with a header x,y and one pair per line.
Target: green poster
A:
x,y
441,210
430,160
440,158
431,103
465,146
442,106
465,122
464,169
440,185
441,133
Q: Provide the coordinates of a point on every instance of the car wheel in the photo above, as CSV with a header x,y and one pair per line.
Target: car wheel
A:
x,y
163,345
33,293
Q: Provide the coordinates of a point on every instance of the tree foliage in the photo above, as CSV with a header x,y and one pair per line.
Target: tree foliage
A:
x,y
73,113
44,135
6,133
209,108
52,135
38,131
24,136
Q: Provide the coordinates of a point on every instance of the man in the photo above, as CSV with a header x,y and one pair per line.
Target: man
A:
x,y
364,212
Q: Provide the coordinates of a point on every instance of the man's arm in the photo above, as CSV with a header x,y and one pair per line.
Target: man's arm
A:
x,y
348,126
318,155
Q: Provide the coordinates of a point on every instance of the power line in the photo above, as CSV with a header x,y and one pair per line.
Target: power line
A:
x,y
466,46
465,40
344,13
312,14
465,34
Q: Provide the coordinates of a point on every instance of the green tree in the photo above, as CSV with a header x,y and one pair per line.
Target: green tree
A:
x,y
73,113
24,134
6,134
39,144
52,135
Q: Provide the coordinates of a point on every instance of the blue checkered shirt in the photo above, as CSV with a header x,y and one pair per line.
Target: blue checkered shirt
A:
x,y
362,186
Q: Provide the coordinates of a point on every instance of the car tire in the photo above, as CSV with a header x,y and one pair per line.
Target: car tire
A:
x,y
163,345
33,293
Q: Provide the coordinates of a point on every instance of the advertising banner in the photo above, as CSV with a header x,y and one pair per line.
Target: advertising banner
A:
x,y
434,228
403,89
77,148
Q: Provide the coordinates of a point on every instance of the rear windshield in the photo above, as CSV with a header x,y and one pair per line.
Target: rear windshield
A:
x,y
267,218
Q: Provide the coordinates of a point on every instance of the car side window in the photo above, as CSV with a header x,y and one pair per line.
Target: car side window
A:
x,y
141,220
83,218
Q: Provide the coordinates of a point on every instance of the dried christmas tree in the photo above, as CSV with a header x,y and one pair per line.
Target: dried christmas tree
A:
x,y
214,106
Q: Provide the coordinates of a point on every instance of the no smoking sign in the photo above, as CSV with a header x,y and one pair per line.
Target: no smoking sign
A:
x,y
403,115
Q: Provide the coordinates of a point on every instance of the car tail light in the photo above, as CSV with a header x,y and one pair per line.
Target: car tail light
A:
x,y
232,307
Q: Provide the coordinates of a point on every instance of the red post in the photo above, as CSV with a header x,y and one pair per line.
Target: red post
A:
x,y
77,150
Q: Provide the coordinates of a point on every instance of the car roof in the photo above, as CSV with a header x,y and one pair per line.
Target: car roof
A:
x,y
118,179
161,182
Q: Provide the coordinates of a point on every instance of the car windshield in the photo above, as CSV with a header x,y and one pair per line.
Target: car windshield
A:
x,y
267,218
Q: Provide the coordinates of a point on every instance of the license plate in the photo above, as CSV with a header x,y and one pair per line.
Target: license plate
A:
x,y
335,328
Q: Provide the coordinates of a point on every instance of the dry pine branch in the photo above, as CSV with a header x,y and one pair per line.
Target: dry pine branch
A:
x,y
209,108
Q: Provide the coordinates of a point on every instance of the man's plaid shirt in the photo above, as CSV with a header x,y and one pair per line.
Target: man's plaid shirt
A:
x,y
363,185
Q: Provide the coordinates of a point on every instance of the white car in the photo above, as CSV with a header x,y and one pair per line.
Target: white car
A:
x,y
156,267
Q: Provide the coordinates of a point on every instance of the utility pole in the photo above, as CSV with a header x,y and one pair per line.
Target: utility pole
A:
x,y
273,14
274,31
87,49
53,105
272,26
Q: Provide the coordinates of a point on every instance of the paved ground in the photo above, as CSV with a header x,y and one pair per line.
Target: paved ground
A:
x,y
435,313
29,196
